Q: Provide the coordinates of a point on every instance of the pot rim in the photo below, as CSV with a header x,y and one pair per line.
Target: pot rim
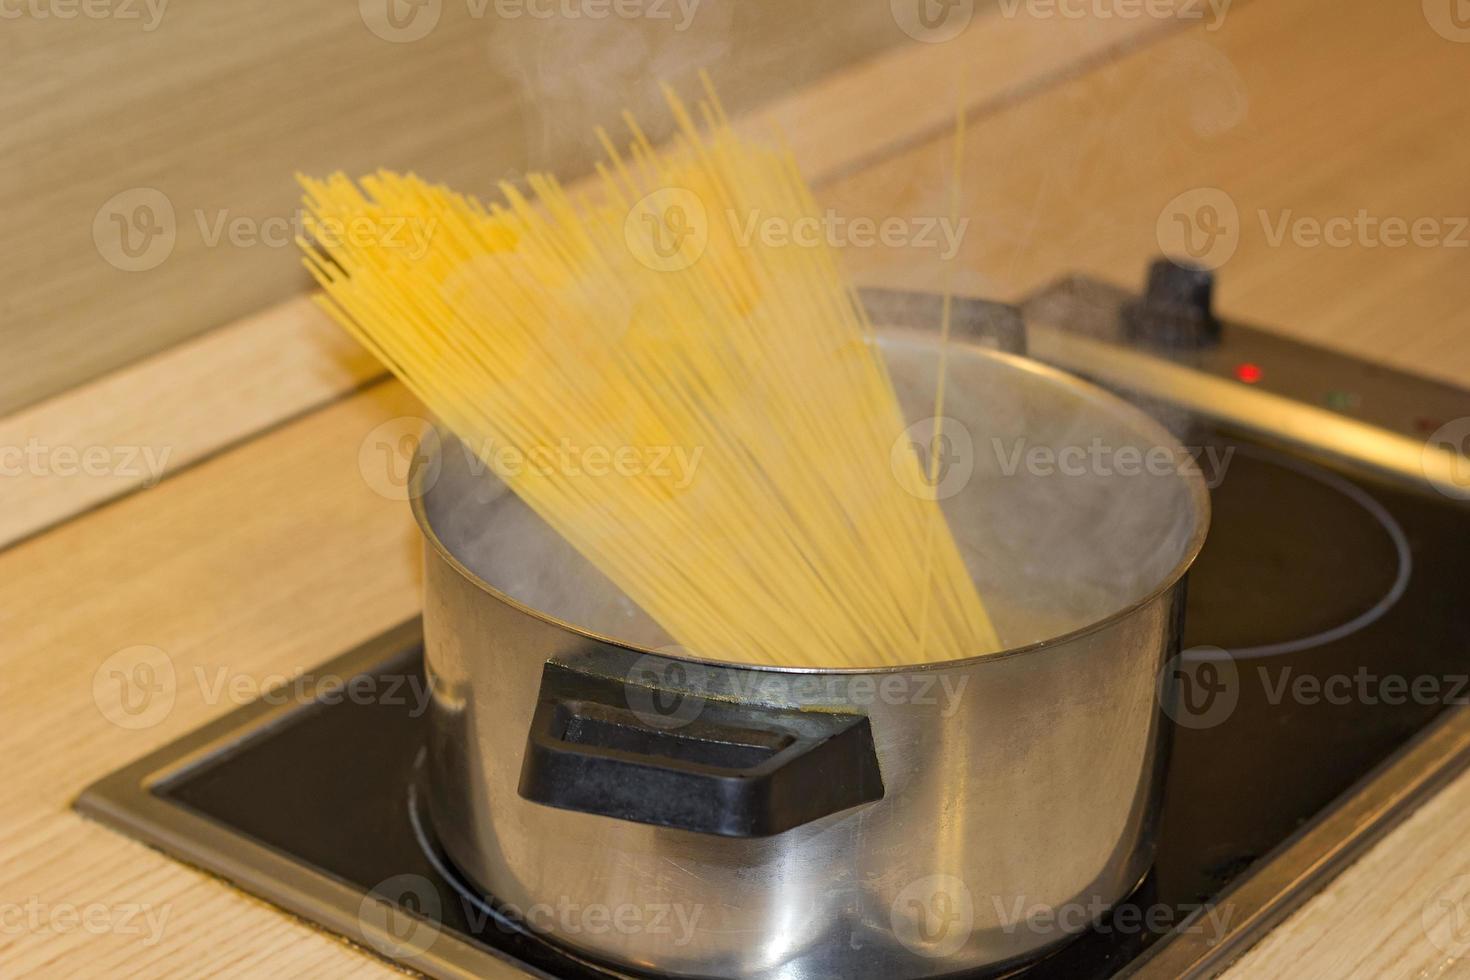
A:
x,y
1146,425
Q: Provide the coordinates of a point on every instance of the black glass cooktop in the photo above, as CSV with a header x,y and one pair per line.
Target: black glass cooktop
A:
x,y
1326,583
1323,682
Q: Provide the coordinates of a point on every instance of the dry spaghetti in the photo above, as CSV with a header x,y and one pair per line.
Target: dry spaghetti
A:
x,y
642,317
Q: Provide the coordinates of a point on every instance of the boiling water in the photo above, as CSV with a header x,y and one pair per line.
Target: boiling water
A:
x,y
1068,504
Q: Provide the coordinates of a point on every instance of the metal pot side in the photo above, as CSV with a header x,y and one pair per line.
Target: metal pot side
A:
x,y
1019,789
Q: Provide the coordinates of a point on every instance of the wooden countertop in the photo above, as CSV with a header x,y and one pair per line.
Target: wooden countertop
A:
x,y
266,546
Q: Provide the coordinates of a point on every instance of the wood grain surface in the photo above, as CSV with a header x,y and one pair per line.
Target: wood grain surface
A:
x,y
150,145
270,554
171,410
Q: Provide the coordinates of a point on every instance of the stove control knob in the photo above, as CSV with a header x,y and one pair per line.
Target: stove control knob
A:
x,y
1176,308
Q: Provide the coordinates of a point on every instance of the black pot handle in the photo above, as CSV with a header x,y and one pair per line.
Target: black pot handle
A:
x,y
730,769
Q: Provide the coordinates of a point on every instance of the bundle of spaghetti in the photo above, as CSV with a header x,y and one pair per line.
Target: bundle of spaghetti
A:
x,y
639,319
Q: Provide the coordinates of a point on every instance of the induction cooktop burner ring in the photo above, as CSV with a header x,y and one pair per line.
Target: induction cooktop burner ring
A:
x,y
440,864
1368,617
416,801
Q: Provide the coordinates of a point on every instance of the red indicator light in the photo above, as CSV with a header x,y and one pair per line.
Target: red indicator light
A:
x,y
1248,372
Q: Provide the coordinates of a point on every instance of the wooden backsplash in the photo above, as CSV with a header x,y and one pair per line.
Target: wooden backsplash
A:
x,y
147,155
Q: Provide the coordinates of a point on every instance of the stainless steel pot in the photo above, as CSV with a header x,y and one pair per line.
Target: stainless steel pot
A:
x,y
668,814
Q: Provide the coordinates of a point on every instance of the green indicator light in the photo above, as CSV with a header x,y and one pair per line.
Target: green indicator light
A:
x,y
1342,400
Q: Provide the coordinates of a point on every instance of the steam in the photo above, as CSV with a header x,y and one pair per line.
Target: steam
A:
x,y
575,73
